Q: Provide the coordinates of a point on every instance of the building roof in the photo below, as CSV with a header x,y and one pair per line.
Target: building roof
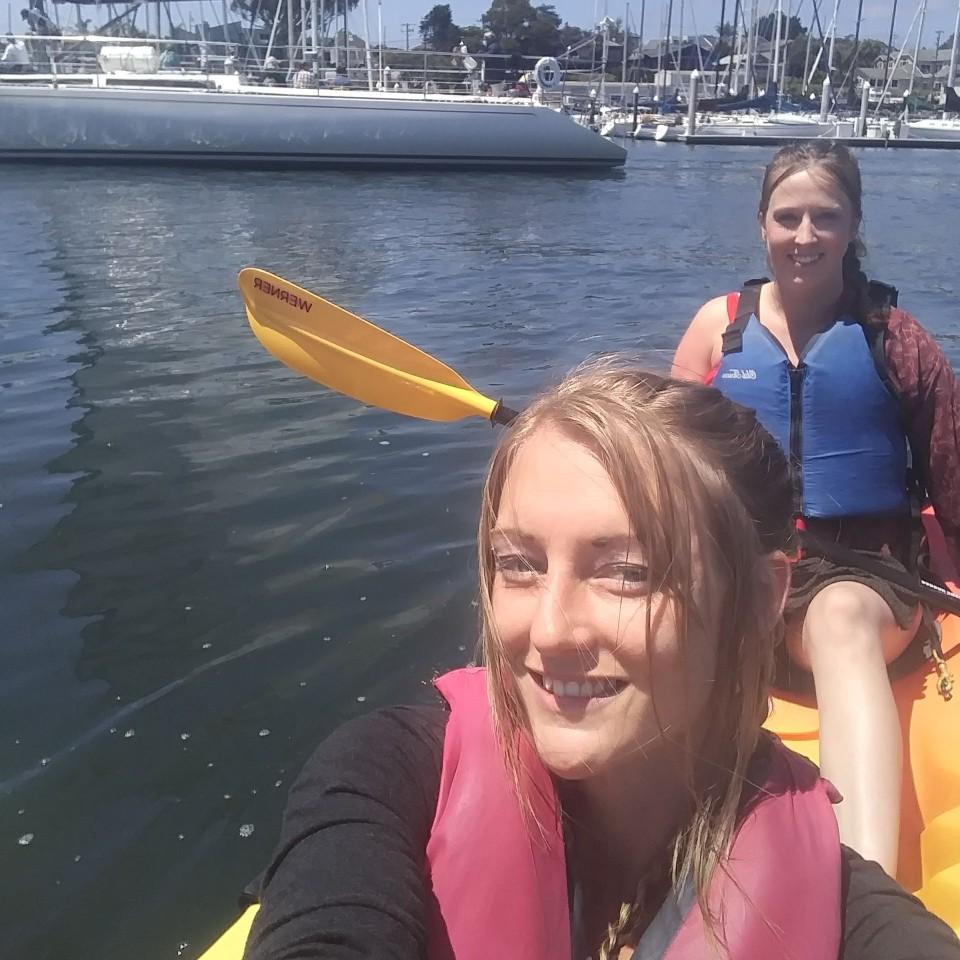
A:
x,y
651,48
874,75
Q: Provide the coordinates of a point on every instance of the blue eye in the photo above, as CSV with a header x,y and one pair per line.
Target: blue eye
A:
x,y
625,577
513,565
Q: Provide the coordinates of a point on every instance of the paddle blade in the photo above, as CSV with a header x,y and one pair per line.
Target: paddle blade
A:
x,y
352,356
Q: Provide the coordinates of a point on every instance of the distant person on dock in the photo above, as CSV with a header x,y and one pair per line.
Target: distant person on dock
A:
x,y
494,70
581,793
170,59
15,58
303,78
868,408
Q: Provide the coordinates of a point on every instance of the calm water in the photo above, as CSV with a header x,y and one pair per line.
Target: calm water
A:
x,y
206,562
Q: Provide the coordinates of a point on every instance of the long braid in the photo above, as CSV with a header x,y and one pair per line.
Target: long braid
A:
x,y
617,933
856,290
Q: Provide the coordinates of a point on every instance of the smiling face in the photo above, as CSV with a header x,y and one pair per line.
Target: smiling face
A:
x,y
595,654
807,226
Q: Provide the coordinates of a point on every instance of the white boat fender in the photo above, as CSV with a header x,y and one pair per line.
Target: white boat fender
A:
x,y
547,73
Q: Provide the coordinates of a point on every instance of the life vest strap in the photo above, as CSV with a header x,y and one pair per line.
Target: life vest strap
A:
x,y
748,305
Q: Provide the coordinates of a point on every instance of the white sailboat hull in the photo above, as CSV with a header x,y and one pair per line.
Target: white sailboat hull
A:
x,y
934,129
290,128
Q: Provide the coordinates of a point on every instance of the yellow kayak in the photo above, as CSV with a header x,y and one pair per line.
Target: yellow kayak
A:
x,y
929,861
929,865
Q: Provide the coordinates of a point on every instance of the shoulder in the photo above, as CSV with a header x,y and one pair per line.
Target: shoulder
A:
x,y
387,735
913,355
712,315
881,921
699,349
395,753
901,324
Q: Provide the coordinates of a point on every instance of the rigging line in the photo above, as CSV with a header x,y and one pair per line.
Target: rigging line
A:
x,y
883,93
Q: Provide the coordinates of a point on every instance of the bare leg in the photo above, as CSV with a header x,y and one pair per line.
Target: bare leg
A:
x,y
847,638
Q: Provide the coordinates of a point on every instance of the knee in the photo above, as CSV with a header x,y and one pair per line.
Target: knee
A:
x,y
843,621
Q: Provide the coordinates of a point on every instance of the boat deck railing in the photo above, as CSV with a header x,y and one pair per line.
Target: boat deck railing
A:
x,y
200,62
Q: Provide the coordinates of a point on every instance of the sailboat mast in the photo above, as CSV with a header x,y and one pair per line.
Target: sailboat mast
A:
x,y
856,44
952,70
916,46
669,28
716,52
886,62
733,81
833,37
751,33
782,80
623,55
679,58
776,42
291,36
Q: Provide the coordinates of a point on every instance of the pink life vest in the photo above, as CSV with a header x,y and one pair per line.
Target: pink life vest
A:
x,y
500,880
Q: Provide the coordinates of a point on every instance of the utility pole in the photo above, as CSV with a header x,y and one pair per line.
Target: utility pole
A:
x,y
408,29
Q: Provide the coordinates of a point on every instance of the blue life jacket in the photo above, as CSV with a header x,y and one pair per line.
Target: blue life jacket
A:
x,y
833,413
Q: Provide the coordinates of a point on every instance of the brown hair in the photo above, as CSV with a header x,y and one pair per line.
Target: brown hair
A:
x,y
836,162
691,468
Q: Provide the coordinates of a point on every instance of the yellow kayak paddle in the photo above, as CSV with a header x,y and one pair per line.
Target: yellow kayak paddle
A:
x,y
354,357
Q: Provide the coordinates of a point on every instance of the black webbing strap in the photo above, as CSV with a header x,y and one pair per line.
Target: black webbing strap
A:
x,y
885,296
747,307
882,294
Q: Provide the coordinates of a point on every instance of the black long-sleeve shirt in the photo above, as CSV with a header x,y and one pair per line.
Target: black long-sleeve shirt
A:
x,y
348,881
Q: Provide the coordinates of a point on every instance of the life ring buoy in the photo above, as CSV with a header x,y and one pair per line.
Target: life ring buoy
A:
x,y
547,73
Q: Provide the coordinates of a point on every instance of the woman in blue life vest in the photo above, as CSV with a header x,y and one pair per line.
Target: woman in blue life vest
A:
x,y
602,786
849,385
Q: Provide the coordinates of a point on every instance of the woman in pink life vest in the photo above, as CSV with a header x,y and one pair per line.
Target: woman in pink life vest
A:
x,y
601,787
848,384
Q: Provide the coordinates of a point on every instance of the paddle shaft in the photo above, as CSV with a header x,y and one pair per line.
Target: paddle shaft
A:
x,y
503,415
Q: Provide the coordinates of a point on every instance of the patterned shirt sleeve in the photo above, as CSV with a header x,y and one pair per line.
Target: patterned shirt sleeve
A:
x,y
930,399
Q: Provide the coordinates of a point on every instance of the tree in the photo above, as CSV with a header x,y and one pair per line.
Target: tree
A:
x,y
767,27
570,36
870,52
261,13
521,28
472,37
437,29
